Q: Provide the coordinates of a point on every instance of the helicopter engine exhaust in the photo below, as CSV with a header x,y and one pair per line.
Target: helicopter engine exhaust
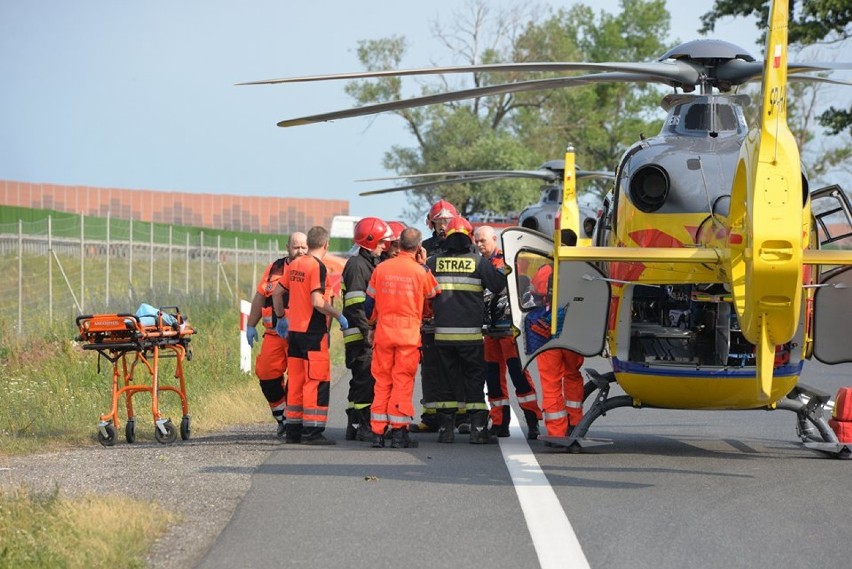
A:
x,y
649,188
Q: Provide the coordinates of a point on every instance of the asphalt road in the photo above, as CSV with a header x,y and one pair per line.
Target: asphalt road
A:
x,y
672,489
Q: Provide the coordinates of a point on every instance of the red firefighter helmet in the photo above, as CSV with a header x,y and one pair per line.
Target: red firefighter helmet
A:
x,y
441,210
458,224
396,228
369,231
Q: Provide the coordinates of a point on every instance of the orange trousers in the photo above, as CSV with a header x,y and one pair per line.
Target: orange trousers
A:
x,y
501,355
309,383
269,367
394,368
561,389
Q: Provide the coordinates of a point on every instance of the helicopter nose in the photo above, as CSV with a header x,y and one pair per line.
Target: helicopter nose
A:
x,y
649,188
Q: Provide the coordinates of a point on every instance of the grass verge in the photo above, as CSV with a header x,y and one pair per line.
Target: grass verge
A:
x,y
48,531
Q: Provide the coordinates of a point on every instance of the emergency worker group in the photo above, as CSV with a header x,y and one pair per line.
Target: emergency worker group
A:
x,y
437,305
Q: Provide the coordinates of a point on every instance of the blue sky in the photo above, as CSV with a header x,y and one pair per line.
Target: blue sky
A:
x,y
141,94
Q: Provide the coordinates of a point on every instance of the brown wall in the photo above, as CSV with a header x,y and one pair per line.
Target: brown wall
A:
x,y
219,211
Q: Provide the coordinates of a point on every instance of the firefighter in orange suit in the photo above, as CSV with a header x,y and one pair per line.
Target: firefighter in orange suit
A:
x,y
458,316
559,369
501,353
271,363
371,234
398,288
305,294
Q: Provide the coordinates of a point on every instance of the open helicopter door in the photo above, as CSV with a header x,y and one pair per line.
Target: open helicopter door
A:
x,y
833,297
583,296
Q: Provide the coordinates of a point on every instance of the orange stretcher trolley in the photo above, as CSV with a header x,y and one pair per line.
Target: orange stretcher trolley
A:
x,y
132,342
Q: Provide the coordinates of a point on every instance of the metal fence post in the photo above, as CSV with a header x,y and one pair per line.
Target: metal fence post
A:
x,y
20,276
50,269
253,266
237,265
218,263
186,273
130,259
171,227
82,261
151,259
108,255
201,245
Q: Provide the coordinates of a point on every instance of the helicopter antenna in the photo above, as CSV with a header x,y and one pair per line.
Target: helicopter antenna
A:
x,y
691,164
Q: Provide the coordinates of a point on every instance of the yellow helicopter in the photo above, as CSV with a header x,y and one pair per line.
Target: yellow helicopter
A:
x,y
711,277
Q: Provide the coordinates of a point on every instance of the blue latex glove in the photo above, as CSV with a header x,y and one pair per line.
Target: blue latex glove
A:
x,y
344,323
282,327
251,335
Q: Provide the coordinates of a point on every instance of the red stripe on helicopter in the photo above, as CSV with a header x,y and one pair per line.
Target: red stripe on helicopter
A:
x,y
776,59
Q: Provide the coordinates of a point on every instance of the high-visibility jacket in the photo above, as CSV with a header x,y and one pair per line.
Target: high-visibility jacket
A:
x,y
356,278
273,273
458,310
305,275
399,286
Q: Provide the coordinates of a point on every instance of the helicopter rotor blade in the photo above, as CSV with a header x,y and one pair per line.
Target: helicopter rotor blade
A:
x,y
483,176
738,71
666,70
418,185
501,89
542,174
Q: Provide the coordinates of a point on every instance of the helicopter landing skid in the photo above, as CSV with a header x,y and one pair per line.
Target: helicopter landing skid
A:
x,y
809,403
603,403
842,451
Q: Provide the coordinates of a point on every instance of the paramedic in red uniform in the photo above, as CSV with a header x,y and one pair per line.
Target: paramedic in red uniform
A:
x,y
501,353
305,293
397,291
559,369
271,362
371,235
458,315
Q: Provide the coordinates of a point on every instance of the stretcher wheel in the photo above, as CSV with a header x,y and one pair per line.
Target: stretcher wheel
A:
x,y
107,439
185,428
130,431
169,437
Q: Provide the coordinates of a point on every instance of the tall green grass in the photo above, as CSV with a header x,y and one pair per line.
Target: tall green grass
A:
x,y
48,531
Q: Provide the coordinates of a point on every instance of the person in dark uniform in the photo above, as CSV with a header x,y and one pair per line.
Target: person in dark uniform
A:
x,y
458,317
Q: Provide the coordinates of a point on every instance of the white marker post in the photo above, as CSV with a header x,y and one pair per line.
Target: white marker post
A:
x,y
245,349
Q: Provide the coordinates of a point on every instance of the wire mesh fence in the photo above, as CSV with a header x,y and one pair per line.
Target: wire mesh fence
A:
x,y
57,269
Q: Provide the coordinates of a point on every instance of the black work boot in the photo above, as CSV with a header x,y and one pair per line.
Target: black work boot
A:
x,y
293,433
350,424
501,431
364,431
378,440
400,439
479,434
446,428
282,428
532,424
463,422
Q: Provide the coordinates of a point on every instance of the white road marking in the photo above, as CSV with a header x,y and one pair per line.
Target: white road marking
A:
x,y
553,537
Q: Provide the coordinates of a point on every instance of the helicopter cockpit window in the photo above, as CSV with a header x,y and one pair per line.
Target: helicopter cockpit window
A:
x,y
701,118
554,195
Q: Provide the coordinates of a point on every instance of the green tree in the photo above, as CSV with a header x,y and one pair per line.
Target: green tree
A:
x,y
811,22
523,130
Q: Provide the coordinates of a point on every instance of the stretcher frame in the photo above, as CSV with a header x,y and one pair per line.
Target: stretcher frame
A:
x,y
127,343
